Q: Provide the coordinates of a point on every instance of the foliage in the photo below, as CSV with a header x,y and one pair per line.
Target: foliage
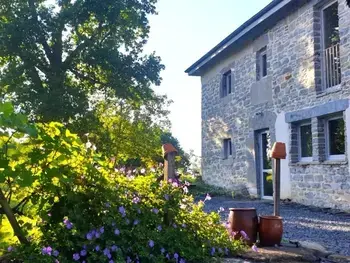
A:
x,y
55,55
198,188
74,200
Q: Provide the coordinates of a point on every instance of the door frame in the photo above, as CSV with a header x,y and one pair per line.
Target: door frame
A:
x,y
260,159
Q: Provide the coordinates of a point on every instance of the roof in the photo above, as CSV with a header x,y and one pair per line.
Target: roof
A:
x,y
249,30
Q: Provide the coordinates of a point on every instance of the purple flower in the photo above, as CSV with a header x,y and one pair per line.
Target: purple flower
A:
x,y
136,200
107,204
68,224
111,261
174,225
166,197
122,211
102,230
106,251
175,184
97,234
136,221
182,261
114,248
244,235
212,252
89,236
128,260
83,253
159,228
176,256
155,210
46,251
76,256
55,253
10,248
207,198
255,248
162,250
184,225
117,232
167,256
97,248
151,243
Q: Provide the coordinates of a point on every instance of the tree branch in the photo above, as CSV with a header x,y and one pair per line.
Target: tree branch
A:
x,y
42,39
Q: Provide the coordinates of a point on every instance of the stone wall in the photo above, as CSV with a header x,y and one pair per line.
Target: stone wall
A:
x,y
291,84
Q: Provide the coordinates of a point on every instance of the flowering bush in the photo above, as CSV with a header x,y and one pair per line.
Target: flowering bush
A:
x,y
84,211
130,220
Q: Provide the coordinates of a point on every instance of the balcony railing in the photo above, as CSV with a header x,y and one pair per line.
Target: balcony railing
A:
x,y
332,66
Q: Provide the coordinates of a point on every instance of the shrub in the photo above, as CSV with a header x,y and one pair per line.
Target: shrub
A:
x,y
82,210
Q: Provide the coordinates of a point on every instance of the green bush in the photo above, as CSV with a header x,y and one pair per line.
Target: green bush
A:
x,y
73,206
133,220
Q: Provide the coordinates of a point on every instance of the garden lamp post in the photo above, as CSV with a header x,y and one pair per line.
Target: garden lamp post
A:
x,y
278,153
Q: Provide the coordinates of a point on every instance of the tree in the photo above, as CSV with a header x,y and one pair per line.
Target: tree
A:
x,y
54,57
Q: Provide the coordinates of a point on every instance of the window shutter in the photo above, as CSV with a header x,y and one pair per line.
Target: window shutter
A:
x,y
223,150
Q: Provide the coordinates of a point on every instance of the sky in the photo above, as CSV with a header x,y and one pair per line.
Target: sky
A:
x,y
181,33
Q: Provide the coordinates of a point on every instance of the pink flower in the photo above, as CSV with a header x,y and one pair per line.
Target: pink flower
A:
x,y
207,198
244,235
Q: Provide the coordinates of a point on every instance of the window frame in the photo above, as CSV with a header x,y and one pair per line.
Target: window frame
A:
x,y
333,157
262,52
323,48
300,158
227,144
226,85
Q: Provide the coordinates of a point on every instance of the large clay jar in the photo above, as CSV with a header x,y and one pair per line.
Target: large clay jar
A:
x,y
244,219
270,230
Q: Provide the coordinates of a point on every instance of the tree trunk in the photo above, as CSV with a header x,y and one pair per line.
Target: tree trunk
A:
x,y
12,219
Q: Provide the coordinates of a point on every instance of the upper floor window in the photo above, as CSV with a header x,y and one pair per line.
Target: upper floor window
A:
x,y
261,64
226,84
335,138
305,142
227,148
330,43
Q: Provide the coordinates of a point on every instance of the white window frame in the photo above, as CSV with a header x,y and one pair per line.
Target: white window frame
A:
x,y
333,157
261,53
323,62
227,151
303,159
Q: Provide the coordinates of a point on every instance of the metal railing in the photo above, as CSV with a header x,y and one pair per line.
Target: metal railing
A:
x,y
332,66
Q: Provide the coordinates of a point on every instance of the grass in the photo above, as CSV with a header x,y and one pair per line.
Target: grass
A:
x,y
199,188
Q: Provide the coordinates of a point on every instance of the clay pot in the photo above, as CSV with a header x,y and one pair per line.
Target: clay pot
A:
x,y
270,230
244,219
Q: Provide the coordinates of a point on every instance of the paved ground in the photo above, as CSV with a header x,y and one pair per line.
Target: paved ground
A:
x,y
300,223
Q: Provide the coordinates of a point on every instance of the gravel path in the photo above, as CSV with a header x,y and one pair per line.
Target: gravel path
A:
x,y
300,223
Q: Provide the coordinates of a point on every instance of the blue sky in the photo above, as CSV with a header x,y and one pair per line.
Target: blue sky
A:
x,y
181,33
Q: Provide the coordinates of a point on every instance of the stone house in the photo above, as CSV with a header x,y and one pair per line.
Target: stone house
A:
x,y
284,75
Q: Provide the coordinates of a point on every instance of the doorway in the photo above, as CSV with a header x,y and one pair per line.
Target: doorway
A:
x,y
265,165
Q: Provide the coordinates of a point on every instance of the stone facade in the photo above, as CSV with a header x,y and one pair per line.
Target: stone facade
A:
x,y
292,84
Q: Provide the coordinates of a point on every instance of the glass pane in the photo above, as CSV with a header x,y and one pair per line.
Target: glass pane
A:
x,y
230,147
331,25
268,184
306,140
229,83
336,137
264,65
267,163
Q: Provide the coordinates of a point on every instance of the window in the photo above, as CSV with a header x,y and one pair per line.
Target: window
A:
x,y
330,41
305,142
335,138
261,64
227,148
226,83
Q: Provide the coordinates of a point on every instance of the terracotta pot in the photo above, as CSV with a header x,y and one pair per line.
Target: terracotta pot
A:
x,y
270,230
244,219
